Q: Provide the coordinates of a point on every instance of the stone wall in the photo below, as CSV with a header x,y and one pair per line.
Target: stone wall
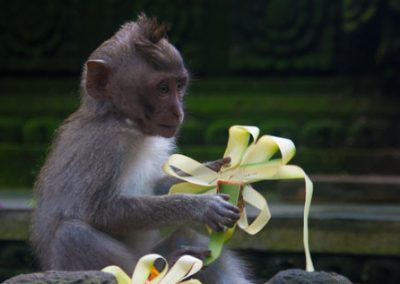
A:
x,y
217,37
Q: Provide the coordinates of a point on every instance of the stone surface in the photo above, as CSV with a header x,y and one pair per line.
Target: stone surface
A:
x,y
371,189
334,228
359,241
298,276
290,276
82,277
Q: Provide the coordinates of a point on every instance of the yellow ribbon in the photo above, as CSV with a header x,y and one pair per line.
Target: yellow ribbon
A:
x,y
185,267
252,160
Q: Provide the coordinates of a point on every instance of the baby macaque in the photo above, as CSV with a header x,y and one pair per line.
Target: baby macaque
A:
x,y
96,201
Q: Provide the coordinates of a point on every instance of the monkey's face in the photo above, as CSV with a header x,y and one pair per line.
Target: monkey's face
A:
x,y
154,100
162,103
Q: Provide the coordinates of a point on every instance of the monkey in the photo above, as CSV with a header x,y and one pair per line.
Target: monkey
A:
x,y
98,200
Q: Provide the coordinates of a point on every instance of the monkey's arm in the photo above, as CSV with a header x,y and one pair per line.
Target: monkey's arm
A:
x,y
153,212
107,209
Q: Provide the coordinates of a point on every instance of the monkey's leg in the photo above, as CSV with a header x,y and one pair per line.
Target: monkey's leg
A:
x,y
77,246
227,269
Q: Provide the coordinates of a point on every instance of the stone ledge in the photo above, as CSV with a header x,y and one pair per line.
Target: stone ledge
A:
x,y
348,229
334,228
298,276
15,224
371,189
83,277
291,276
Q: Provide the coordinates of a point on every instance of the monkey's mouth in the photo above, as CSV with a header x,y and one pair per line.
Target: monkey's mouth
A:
x,y
169,126
167,130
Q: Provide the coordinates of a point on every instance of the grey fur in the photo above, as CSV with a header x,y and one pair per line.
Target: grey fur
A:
x,y
88,216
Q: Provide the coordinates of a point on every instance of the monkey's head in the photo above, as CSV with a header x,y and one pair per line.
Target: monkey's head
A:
x,y
139,75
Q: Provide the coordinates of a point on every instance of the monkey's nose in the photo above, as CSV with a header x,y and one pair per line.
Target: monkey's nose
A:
x,y
177,114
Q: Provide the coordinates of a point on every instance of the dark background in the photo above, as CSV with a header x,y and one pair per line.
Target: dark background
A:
x,y
286,37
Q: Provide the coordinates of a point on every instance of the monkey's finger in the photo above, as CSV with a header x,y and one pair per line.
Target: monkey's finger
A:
x,y
231,223
228,222
224,196
216,226
199,252
228,214
217,164
231,207
227,204
223,161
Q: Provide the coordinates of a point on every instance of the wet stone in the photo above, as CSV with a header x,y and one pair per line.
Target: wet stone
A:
x,y
299,276
66,277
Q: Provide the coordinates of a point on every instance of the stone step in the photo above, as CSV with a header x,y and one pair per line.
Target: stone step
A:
x,y
365,189
339,228
334,228
371,189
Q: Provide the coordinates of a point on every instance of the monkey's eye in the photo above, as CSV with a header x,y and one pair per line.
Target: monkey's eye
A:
x,y
163,88
180,86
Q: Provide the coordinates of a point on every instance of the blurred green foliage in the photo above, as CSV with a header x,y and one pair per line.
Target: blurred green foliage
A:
x,y
323,133
339,132
39,131
372,133
10,130
331,68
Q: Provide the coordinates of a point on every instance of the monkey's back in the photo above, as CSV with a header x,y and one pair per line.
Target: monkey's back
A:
x,y
74,175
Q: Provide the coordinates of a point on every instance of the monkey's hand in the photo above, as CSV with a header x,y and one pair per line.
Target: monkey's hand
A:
x,y
216,212
195,251
217,164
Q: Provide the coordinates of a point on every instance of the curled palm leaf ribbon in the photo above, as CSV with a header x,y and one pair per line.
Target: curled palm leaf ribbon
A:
x,y
252,160
185,267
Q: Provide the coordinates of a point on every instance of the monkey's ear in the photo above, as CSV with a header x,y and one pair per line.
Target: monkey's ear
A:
x,y
97,78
